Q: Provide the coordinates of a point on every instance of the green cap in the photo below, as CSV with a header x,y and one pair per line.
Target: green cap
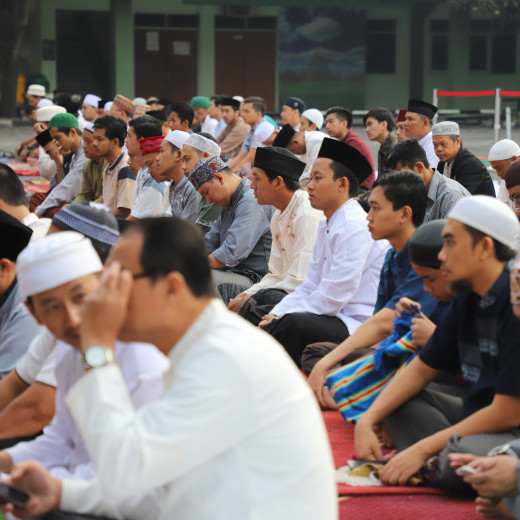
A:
x,y
64,121
199,102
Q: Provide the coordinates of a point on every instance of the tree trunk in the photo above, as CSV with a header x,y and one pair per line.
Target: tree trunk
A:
x,y
16,14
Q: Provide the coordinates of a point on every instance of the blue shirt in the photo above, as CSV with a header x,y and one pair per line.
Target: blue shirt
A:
x,y
398,279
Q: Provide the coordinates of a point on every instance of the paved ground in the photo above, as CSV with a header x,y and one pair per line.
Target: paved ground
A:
x,y
477,138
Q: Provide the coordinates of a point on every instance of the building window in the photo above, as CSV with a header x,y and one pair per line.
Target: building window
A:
x,y
439,30
380,46
492,47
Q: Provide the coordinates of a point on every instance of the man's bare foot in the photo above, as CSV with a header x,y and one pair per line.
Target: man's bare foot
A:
x,y
494,511
330,404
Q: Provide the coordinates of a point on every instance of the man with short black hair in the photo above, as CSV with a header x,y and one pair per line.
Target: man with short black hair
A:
x,y
239,241
233,135
294,225
418,125
252,111
118,179
379,124
457,162
477,338
338,121
14,202
340,289
64,129
291,113
180,117
443,192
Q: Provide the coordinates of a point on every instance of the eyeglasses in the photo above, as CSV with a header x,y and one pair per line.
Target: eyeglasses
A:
x,y
515,198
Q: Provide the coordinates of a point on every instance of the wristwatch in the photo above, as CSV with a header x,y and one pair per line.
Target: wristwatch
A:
x,y
97,356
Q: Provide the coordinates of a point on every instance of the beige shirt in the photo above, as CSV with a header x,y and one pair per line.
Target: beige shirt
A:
x,y
231,139
118,184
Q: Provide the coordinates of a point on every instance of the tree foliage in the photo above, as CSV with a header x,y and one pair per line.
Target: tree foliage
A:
x,y
497,9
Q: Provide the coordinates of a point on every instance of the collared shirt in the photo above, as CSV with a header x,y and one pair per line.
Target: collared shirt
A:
x,y
426,141
357,142
234,411
478,338
343,272
208,125
250,141
384,150
92,186
398,279
313,140
294,233
61,448
221,125
241,238
40,226
151,198
70,185
118,184
231,138
442,195
39,362
17,328
184,200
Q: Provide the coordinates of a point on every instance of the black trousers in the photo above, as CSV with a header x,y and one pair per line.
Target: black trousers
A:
x,y
297,330
260,304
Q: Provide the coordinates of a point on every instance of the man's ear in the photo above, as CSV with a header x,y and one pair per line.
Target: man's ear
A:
x,y
175,283
343,184
407,213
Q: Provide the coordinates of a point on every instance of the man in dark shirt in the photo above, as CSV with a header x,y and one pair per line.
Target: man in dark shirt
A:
x,y
458,163
477,338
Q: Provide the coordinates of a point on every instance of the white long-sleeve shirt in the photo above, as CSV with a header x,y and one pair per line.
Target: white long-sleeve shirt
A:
x,y
294,233
60,448
39,362
426,141
236,419
313,141
344,270
46,166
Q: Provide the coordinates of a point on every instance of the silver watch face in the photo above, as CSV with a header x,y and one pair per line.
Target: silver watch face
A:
x,y
96,356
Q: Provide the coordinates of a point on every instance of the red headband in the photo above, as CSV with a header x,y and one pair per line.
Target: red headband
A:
x,y
150,144
401,115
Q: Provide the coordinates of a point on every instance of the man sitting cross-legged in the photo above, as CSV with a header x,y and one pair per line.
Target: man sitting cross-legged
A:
x,y
340,289
477,338
294,226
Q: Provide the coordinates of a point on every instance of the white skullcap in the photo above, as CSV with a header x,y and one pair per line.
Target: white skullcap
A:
x,y
47,113
503,150
139,101
108,106
44,102
177,138
488,215
36,90
55,260
314,116
239,98
446,128
202,144
88,126
263,131
92,100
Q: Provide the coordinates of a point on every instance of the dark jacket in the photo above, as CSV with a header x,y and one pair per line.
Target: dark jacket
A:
x,y
471,173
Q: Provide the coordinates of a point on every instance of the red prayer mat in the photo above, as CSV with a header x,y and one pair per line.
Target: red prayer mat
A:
x,y
408,508
341,437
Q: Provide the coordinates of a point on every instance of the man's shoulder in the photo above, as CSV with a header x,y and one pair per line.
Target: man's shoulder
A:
x,y
465,158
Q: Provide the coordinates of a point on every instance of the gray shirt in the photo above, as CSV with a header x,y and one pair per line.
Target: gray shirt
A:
x,y
70,185
241,237
442,195
17,328
184,200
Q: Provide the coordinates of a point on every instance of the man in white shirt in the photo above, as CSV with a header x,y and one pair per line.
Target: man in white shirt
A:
x,y
72,266
340,289
234,411
90,107
501,155
418,125
293,227
200,105
304,144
